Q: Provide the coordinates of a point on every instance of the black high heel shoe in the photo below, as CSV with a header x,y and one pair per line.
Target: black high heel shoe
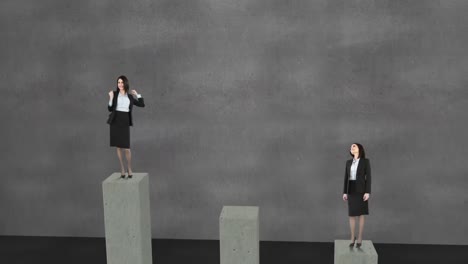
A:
x,y
122,176
358,245
352,244
129,175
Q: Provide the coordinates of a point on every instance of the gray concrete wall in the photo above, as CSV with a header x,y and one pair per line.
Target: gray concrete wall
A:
x,y
248,103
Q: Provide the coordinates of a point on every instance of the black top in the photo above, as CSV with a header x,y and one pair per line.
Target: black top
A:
x,y
133,101
363,176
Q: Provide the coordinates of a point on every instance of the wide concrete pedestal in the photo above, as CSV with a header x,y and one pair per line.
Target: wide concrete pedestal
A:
x,y
239,235
344,254
127,219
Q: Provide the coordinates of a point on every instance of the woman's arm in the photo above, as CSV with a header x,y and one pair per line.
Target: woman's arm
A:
x,y
139,100
111,98
345,178
368,177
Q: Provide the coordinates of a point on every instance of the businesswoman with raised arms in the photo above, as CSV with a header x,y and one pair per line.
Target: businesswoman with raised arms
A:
x,y
120,119
357,189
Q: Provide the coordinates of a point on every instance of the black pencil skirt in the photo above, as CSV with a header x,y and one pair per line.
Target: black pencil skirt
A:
x,y
120,130
356,205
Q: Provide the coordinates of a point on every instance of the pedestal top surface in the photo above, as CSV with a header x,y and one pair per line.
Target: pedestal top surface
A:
x,y
367,247
240,212
115,178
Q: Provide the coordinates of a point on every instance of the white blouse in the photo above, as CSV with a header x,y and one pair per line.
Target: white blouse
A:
x,y
353,170
123,102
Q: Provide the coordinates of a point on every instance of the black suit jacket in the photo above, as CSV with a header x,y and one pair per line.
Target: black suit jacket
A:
x,y
363,176
133,101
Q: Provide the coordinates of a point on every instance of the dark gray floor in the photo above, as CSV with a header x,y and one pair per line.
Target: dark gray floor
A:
x,y
21,249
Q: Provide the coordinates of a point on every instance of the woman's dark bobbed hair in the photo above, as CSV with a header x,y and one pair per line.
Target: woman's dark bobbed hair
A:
x,y
362,152
125,81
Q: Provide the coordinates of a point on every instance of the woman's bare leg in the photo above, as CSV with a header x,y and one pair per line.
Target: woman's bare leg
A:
x,y
128,155
119,154
361,228
352,226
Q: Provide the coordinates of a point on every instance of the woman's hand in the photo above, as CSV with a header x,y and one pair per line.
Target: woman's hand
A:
x,y
345,197
134,92
366,197
111,94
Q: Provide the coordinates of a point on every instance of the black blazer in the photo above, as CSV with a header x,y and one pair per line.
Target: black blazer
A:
x,y
363,176
133,101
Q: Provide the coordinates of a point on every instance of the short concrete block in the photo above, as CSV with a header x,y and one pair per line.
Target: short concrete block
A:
x,y
239,235
344,254
127,219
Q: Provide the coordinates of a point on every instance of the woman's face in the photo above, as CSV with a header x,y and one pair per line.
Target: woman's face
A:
x,y
120,84
354,149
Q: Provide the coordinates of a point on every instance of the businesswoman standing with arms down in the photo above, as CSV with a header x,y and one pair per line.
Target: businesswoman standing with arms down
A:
x,y
357,188
120,120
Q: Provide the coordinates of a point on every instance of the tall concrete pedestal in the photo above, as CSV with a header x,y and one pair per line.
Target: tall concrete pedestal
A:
x,y
127,219
344,254
239,235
